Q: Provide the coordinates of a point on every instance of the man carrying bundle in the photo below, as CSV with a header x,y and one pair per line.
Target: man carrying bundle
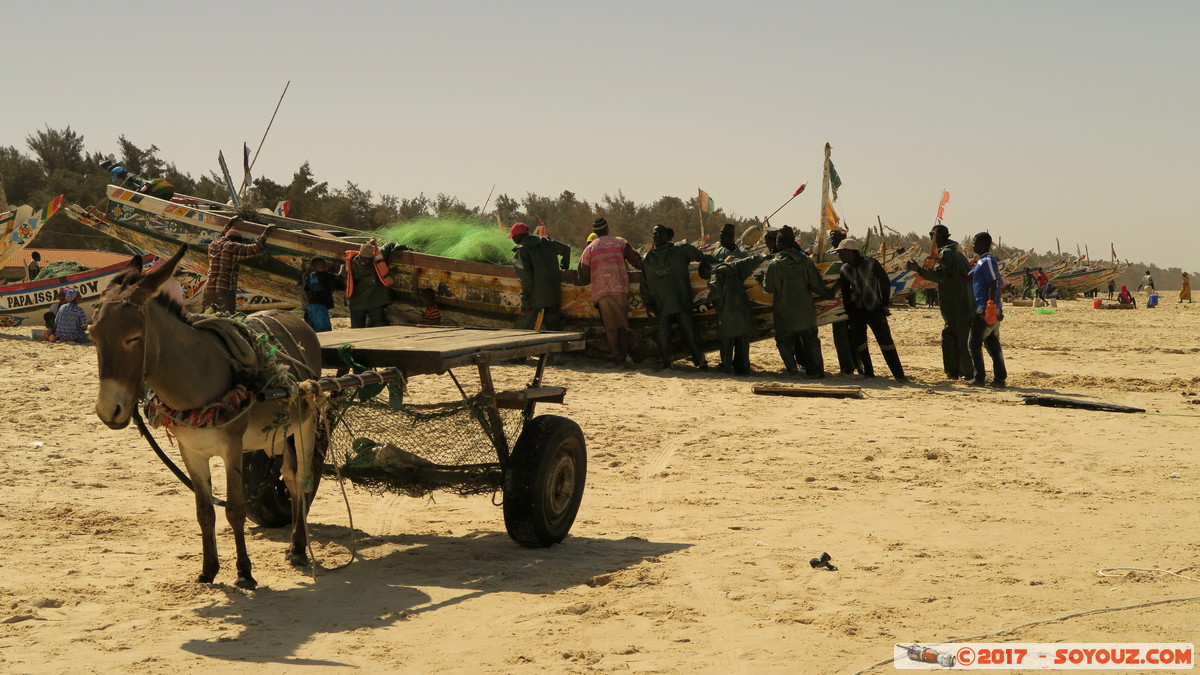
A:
x,y
792,278
957,302
536,260
667,291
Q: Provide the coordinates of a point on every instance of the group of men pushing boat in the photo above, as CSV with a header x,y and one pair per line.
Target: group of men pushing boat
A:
x,y
969,295
971,305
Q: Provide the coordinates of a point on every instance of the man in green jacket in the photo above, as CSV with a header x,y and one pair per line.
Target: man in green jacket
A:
x,y
735,314
957,300
866,292
667,291
536,260
792,278
729,247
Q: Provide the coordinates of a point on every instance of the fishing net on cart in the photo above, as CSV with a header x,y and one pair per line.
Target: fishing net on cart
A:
x,y
387,445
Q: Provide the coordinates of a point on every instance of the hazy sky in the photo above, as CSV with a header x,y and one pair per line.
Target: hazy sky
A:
x,y
1068,119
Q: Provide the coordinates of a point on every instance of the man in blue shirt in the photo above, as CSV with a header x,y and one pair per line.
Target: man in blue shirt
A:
x,y
987,283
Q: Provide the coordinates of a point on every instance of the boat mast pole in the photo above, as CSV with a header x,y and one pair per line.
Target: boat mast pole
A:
x,y
823,233
268,130
483,209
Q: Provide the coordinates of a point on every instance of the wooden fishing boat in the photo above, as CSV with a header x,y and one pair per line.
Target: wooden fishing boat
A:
x,y
468,293
25,303
19,226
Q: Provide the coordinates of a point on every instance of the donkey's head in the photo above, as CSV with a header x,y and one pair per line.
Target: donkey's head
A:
x,y
124,342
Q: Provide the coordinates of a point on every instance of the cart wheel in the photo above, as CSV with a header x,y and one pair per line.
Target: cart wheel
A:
x,y
543,483
268,502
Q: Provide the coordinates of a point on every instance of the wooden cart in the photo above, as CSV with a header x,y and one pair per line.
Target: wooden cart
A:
x,y
540,461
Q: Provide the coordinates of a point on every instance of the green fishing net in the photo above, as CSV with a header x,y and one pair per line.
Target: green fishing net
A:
x,y
462,239
61,268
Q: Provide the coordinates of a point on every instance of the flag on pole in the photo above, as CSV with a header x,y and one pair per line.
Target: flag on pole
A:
x,y
707,205
541,227
942,204
799,190
835,181
830,221
246,165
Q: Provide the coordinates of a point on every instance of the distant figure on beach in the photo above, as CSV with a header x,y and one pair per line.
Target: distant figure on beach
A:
x,y
1147,283
667,291
1125,297
34,267
735,314
1030,284
866,291
1185,288
225,253
792,278
536,261
368,286
952,275
317,286
1112,288
988,284
1042,280
431,315
729,247
604,264
71,322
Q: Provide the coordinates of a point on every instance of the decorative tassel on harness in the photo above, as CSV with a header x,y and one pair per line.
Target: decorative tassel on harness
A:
x,y
218,413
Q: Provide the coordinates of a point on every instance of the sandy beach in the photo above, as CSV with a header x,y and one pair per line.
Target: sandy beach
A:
x,y
950,511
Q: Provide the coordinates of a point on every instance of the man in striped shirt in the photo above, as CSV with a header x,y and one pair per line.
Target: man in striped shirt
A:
x,y
987,283
605,265
224,254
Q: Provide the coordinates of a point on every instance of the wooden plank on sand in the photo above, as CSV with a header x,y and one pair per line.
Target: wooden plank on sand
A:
x,y
776,389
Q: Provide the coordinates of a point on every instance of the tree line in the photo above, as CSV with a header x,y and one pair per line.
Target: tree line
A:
x,y
59,163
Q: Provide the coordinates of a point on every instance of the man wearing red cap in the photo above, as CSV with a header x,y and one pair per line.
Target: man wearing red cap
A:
x,y
224,254
536,260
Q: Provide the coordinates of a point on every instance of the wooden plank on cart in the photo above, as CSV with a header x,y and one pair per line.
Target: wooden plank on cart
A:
x,y
420,350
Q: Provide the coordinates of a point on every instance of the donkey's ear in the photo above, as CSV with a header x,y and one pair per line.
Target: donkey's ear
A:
x,y
150,282
135,265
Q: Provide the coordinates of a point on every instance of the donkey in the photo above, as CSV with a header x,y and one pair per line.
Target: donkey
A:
x,y
143,340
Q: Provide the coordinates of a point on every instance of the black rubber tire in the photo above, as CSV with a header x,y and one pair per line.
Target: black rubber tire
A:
x,y
268,502
544,480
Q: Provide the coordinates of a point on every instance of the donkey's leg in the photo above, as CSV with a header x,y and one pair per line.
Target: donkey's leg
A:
x,y
297,475
235,511
198,471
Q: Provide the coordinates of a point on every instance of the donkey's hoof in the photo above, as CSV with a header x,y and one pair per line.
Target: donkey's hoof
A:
x,y
297,559
205,578
247,583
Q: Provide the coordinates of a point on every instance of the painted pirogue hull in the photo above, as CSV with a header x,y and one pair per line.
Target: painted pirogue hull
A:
x,y
18,227
469,293
1078,281
25,303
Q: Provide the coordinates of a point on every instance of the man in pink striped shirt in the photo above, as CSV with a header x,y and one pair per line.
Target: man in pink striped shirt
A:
x,y
604,264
